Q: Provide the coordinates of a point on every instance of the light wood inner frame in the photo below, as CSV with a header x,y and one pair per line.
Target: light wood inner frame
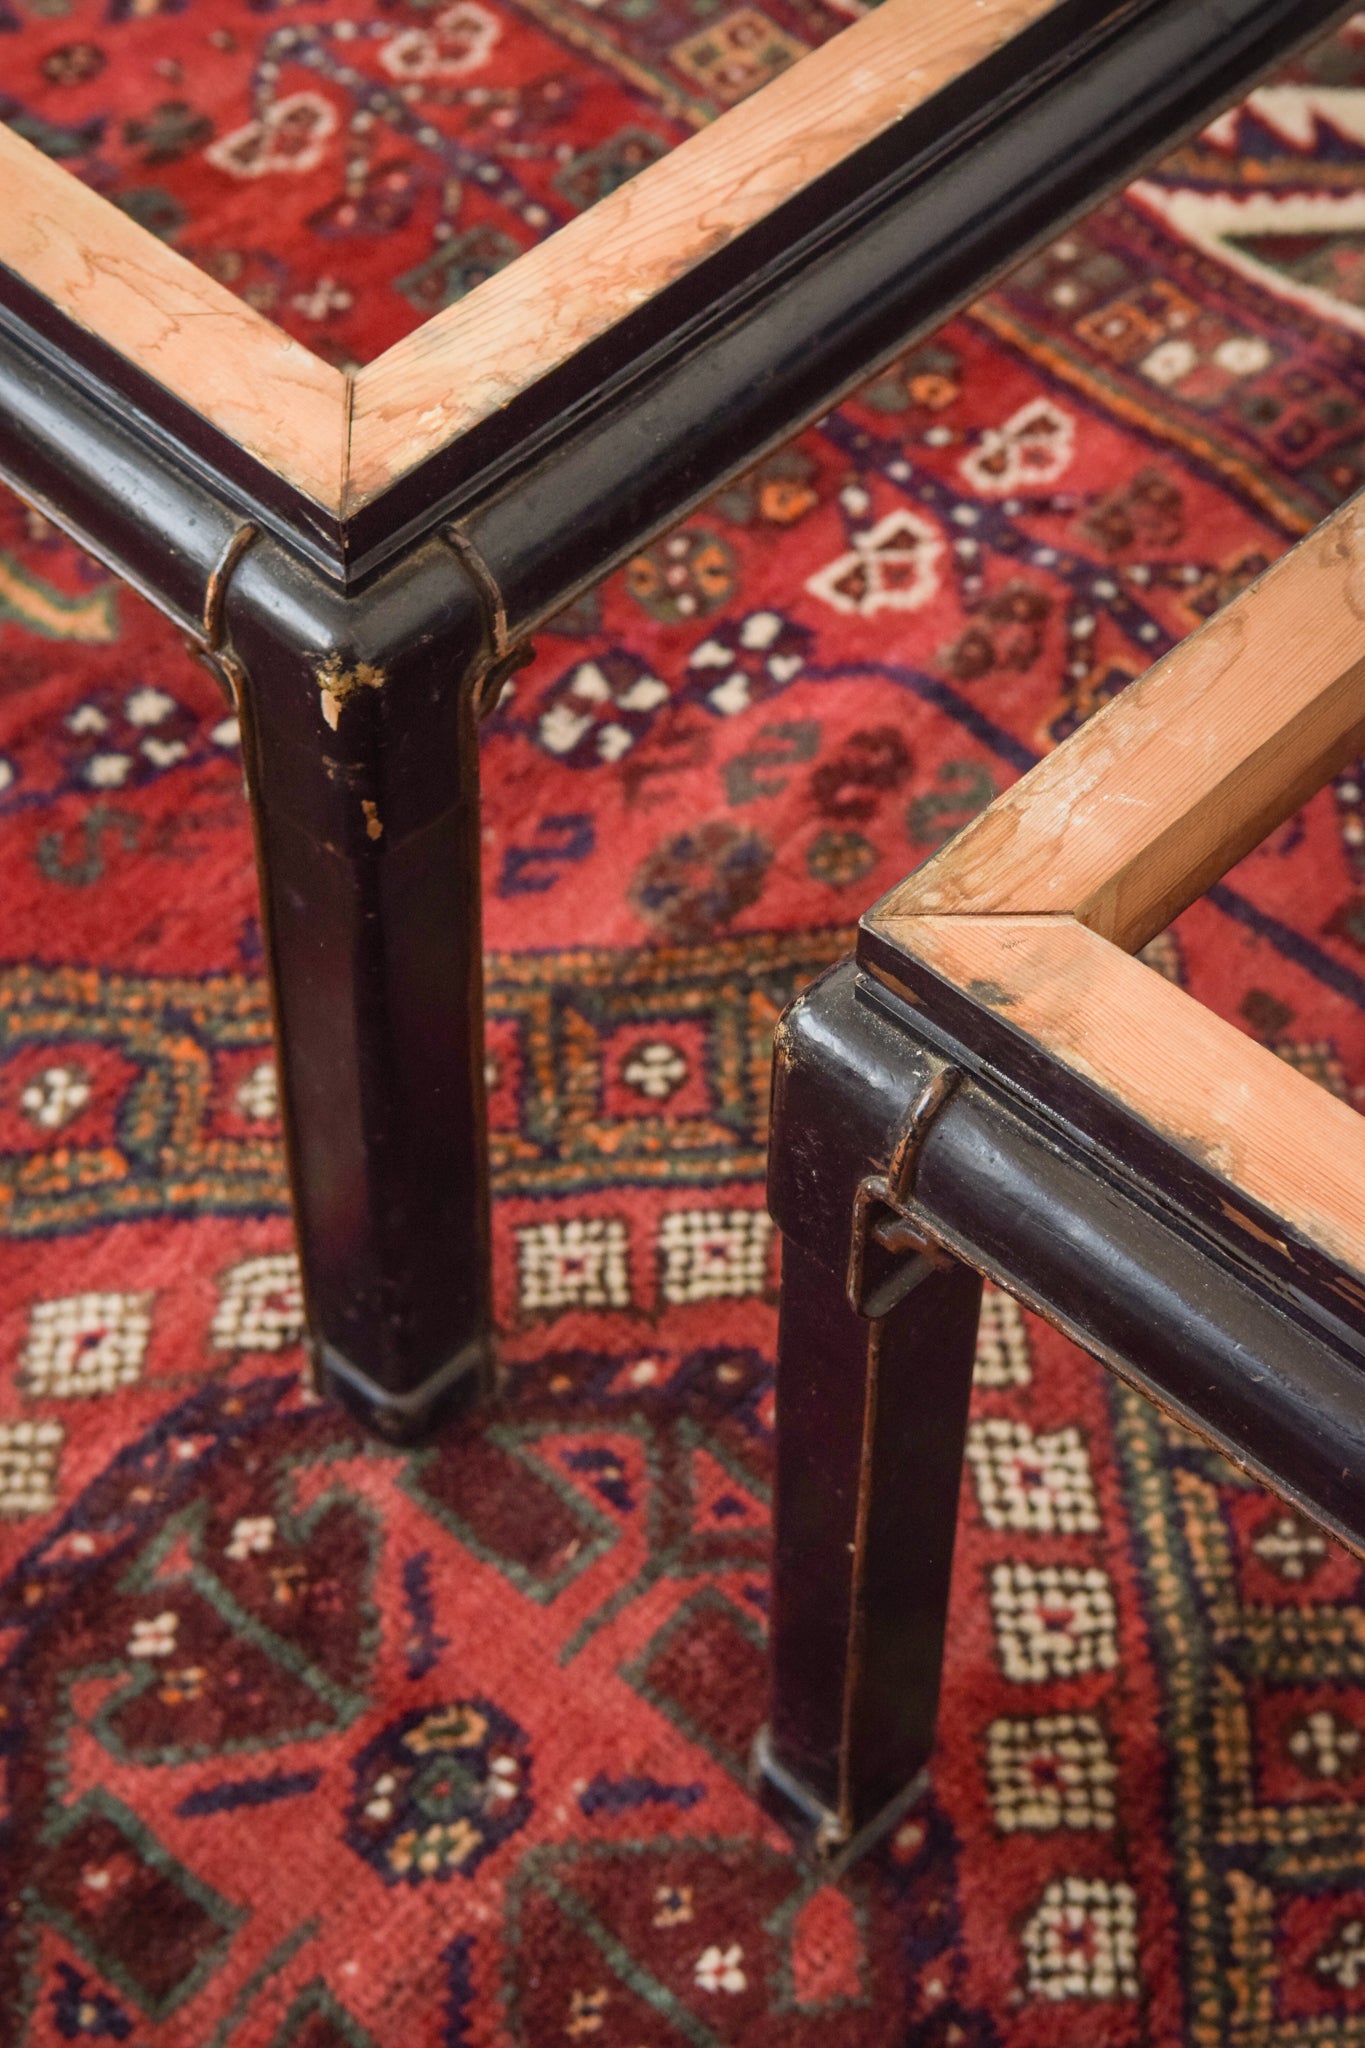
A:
x,y
1096,849
1033,910
344,441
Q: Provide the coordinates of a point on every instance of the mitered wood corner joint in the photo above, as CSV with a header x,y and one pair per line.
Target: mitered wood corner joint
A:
x,y
1032,913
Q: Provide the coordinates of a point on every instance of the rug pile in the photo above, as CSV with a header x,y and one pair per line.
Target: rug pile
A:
x,y
310,1744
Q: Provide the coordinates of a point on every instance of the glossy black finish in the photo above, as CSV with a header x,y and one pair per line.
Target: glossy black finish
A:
x,y
373,934
782,324
753,341
873,1415
986,1041
1110,1252
368,848
373,912
88,465
161,425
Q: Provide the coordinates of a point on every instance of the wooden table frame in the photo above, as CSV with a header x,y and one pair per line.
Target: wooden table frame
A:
x,y
997,1087
361,558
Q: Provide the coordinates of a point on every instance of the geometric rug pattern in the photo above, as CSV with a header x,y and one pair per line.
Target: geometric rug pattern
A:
x,y
309,1743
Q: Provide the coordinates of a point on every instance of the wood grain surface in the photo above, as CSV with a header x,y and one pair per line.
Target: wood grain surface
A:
x,y
476,355
289,409
1191,767
269,394
1228,1102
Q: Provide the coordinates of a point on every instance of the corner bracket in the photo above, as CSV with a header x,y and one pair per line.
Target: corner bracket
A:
x,y
890,1253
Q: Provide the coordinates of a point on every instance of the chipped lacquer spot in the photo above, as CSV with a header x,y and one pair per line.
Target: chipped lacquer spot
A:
x,y
337,685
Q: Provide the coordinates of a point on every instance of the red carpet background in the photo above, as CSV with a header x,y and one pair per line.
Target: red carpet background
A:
x,y
310,1743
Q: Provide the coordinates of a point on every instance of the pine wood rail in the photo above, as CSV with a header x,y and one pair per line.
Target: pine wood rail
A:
x,y
470,359
413,525
1033,909
207,347
295,413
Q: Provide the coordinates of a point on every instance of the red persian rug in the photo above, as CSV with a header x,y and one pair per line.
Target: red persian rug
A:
x,y
312,1745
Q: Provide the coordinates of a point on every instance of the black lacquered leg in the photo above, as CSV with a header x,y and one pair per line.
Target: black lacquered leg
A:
x,y
362,765
871,1420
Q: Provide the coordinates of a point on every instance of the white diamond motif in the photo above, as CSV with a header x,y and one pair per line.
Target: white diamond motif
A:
x,y
713,1254
260,1305
86,1344
657,1070
1050,1773
1002,1349
1053,1621
1292,1549
580,1263
55,1097
1032,1482
1082,1940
